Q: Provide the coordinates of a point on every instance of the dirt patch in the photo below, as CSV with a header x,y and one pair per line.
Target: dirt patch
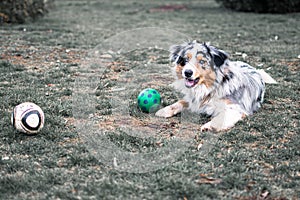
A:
x,y
40,58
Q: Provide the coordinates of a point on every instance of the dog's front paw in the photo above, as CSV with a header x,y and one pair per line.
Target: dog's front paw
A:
x,y
165,112
170,111
206,127
215,127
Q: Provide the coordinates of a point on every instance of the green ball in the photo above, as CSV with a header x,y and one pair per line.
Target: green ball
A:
x,y
149,100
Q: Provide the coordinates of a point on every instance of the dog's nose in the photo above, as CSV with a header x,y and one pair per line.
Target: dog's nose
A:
x,y
188,73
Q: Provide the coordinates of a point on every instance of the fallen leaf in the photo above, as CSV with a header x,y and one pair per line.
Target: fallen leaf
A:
x,y
264,194
205,179
199,146
168,8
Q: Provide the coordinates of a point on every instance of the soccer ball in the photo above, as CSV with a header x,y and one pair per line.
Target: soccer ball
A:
x,y
149,100
28,118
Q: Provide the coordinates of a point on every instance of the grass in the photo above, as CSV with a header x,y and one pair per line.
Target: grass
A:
x,y
41,62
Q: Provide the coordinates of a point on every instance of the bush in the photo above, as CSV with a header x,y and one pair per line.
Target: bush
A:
x,y
20,11
262,6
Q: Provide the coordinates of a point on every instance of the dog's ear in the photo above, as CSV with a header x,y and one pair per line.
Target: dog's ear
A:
x,y
218,56
175,50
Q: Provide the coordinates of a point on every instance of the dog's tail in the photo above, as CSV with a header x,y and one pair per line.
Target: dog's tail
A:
x,y
266,77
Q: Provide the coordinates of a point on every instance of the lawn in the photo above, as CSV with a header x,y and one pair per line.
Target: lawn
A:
x,y
85,63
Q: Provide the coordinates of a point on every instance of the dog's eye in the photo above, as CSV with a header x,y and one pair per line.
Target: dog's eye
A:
x,y
202,62
182,61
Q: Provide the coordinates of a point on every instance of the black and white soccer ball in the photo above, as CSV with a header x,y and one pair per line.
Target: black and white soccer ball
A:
x,y
28,118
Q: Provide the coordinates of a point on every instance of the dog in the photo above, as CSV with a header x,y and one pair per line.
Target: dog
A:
x,y
226,90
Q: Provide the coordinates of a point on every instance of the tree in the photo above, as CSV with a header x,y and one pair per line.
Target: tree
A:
x,y
12,11
262,6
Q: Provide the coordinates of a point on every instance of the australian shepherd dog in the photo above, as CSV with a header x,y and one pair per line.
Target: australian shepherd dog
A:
x,y
226,90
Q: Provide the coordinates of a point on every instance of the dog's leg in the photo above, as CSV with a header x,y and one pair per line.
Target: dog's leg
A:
x,y
172,110
225,119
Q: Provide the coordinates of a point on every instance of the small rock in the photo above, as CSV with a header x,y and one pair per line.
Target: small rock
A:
x,y
5,158
106,56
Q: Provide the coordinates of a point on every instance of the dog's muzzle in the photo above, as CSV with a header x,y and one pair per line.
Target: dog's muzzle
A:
x,y
189,81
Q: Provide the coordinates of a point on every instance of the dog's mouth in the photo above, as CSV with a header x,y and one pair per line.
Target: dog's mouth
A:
x,y
189,82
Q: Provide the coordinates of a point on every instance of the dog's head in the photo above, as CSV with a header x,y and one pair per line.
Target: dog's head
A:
x,y
197,63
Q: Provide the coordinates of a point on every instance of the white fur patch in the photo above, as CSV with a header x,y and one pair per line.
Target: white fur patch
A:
x,y
266,77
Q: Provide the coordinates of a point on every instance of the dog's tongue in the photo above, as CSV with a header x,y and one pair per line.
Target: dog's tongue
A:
x,y
189,83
